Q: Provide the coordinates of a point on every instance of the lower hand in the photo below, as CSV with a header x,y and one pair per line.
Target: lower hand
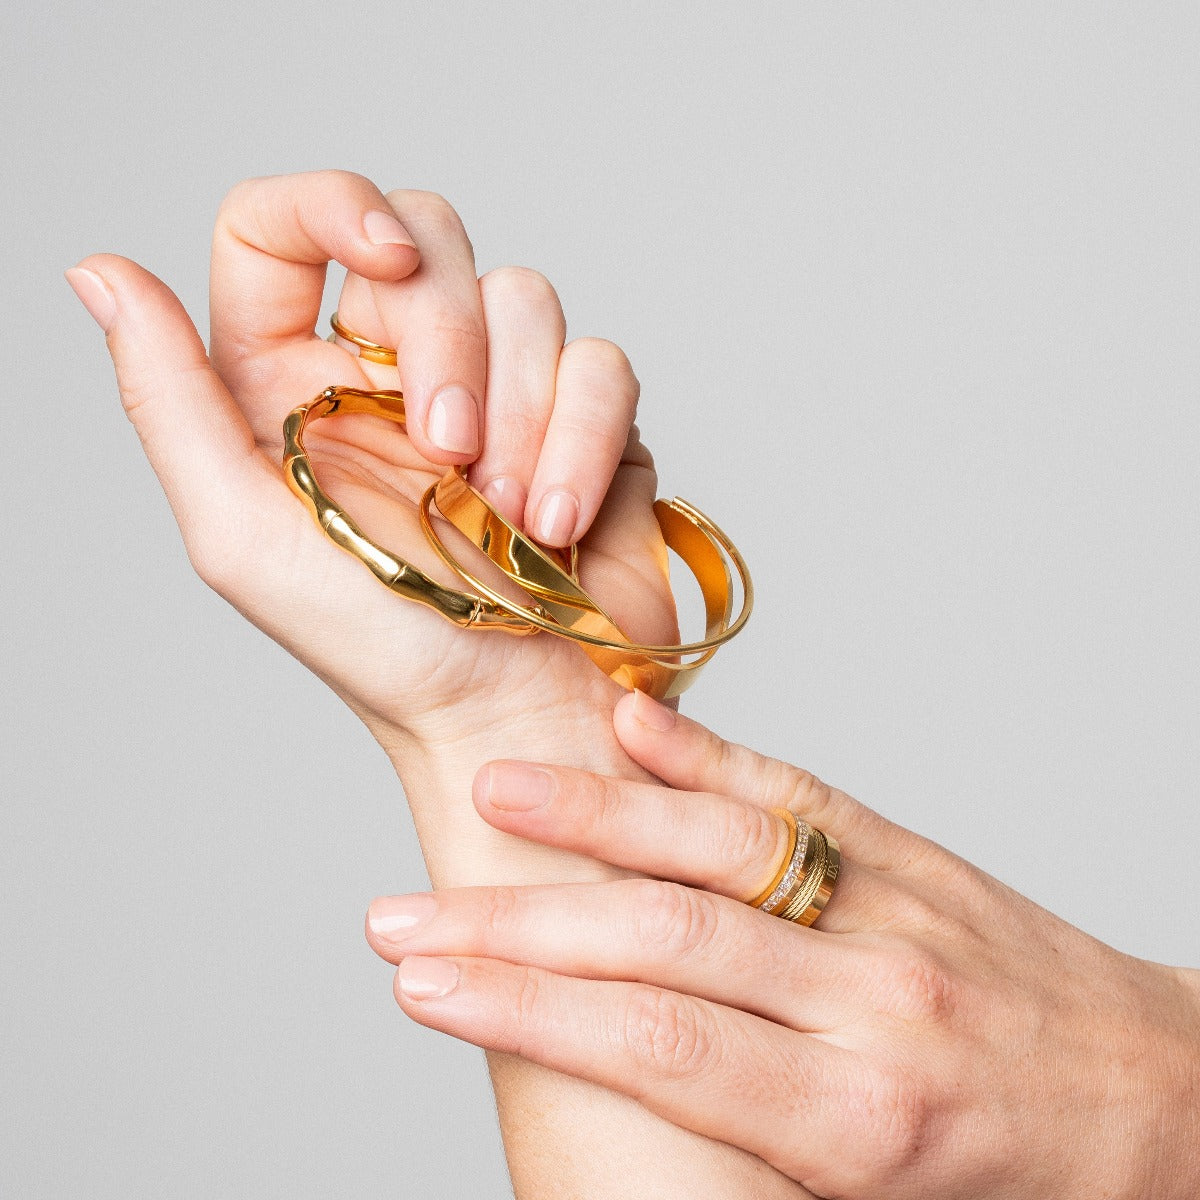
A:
x,y
936,1035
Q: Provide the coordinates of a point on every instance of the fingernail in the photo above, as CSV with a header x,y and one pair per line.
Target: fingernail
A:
x,y
454,420
648,712
515,787
507,497
393,918
94,294
556,518
382,229
427,978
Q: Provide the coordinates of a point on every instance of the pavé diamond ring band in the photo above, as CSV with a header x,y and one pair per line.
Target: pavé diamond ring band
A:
x,y
805,877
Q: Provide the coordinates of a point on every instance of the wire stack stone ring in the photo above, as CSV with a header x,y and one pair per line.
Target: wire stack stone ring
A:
x,y
806,876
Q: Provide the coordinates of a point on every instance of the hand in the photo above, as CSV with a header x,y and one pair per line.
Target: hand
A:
x,y
549,418
486,378
936,1035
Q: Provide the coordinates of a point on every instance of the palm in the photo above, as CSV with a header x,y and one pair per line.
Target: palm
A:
x,y
384,654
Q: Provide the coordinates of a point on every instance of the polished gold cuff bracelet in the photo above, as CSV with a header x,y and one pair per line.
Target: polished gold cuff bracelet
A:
x,y
560,606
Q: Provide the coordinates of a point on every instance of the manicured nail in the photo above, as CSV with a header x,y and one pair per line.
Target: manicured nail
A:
x,y
557,516
507,497
648,712
454,420
393,918
515,787
427,978
382,229
94,294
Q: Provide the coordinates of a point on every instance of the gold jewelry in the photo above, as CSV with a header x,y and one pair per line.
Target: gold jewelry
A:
x,y
789,819
357,344
561,606
402,577
565,610
810,872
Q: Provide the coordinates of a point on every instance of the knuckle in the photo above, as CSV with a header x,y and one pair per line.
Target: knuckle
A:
x,y
599,803
520,285
235,198
497,914
606,361
809,795
667,1035
432,210
896,1111
917,987
526,1010
461,331
678,921
215,560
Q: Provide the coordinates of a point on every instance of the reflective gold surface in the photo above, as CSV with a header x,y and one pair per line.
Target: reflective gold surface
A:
x,y
357,344
402,577
559,605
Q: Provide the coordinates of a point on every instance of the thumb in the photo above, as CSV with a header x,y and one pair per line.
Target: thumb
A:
x,y
193,433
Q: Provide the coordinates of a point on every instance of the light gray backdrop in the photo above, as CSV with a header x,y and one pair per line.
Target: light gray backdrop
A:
x,y
912,292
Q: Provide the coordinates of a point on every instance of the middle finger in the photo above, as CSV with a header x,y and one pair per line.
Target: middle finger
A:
x,y
434,320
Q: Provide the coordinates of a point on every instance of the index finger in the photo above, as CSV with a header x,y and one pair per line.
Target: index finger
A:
x,y
273,241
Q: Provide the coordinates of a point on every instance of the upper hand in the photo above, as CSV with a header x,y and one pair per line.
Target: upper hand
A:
x,y
935,1035
487,379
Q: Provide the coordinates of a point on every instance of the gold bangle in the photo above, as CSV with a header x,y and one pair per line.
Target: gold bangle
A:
x,y
402,577
560,605
569,612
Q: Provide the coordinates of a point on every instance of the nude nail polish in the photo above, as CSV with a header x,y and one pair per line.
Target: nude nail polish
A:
x,y
557,516
94,294
382,229
427,978
394,918
507,497
516,787
454,420
648,712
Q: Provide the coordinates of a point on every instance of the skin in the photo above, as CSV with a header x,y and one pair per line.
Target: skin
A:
x,y
936,1035
487,380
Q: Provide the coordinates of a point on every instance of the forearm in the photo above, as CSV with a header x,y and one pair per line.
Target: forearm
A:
x,y
563,1137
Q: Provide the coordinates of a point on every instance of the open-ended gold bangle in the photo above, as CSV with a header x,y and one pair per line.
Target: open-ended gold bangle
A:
x,y
650,668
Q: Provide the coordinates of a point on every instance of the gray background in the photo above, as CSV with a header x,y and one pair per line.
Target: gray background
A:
x,y
912,292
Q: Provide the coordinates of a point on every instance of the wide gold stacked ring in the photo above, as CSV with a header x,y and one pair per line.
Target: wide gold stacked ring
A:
x,y
805,877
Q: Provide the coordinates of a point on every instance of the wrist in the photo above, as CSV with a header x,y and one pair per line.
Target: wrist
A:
x,y
556,717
